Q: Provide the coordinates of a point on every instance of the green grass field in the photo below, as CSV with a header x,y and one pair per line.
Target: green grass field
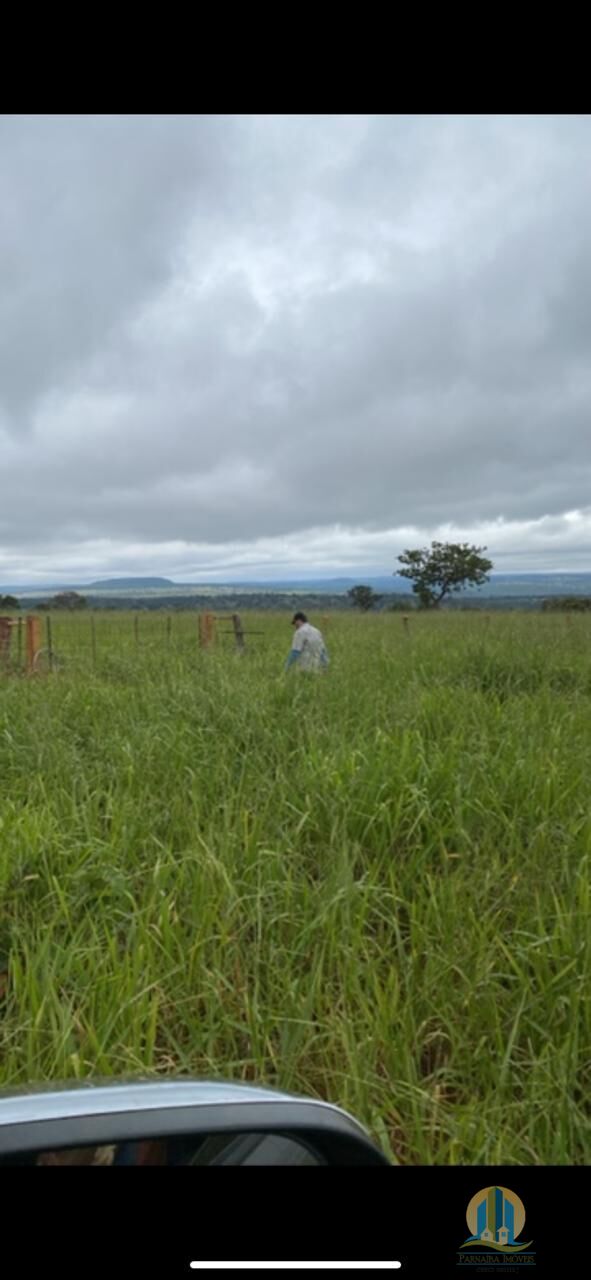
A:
x,y
372,887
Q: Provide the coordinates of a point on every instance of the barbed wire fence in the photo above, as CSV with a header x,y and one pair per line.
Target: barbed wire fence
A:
x,y
34,645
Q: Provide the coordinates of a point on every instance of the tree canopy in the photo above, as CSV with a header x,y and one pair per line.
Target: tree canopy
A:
x,y
68,600
443,568
570,604
364,598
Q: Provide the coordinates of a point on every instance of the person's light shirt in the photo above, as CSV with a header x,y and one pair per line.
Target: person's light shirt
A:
x,y
308,649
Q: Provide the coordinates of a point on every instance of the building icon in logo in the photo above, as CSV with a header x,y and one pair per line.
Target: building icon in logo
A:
x,y
495,1217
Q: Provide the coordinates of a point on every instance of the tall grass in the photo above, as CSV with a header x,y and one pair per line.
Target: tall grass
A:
x,y
371,886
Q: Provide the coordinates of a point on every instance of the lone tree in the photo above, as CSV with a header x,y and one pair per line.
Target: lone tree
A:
x,y
9,602
445,567
68,600
364,598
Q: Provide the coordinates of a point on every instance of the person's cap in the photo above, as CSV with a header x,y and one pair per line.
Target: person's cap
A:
x,y
299,617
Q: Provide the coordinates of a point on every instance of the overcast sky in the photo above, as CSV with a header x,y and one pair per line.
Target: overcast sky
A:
x,y
257,346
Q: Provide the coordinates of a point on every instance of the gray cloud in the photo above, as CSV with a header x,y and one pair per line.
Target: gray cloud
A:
x,y
227,341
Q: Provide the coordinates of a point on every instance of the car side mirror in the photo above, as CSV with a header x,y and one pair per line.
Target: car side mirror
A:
x,y
179,1122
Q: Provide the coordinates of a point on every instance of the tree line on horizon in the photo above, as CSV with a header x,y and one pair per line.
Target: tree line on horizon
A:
x,y
436,573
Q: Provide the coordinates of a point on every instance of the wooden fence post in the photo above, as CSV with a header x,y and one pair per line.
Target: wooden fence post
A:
x,y
238,632
206,630
33,625
5,625
49,644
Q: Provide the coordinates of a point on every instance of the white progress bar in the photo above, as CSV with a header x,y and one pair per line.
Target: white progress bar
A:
x,y
296,1266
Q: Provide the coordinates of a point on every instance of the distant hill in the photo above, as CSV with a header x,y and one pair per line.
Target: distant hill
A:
x,y
129,584
504,591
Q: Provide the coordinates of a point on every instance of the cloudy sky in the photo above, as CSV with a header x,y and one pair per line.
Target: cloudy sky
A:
x,y
253,346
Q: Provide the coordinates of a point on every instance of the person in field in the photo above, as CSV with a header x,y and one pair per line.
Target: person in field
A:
x,y
308,650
